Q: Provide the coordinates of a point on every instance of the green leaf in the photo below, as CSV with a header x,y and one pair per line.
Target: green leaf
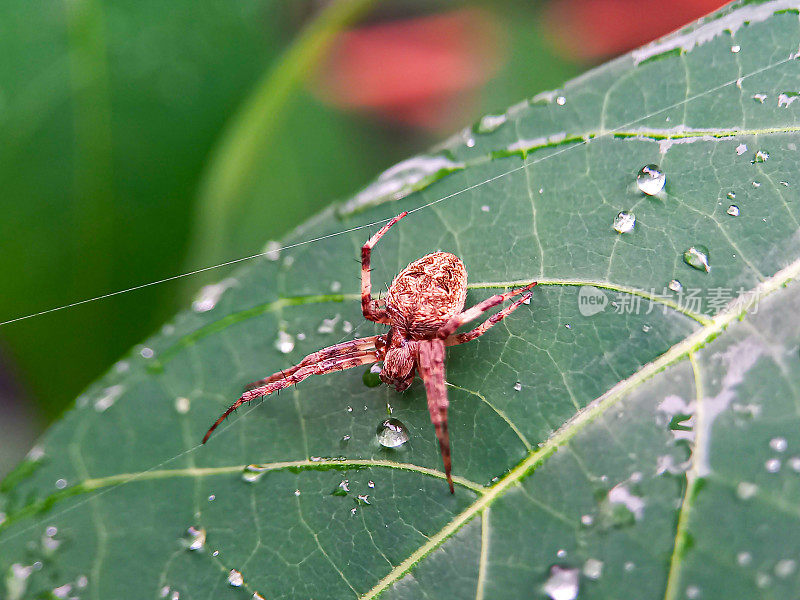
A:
x,y
648,450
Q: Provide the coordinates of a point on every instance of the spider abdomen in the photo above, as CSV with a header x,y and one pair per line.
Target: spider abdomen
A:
x,y
428,292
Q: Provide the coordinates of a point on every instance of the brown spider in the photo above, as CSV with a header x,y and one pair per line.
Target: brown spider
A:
x,y
423,307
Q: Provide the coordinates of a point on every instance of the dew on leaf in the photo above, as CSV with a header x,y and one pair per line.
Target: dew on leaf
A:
x,y
297,492
731,195
785,567
253,473
744,558
746,490
735,49
759,157
733,210
363,499
372,376
784,183
110,395
651,179
593,568
272,250
692,592
759,98
62,591
587,520
370,484
146,352
212,497
675,285
345,438
489,123
342,489
763,580
786,98
517,387
182,405
235,578
697,257
561,100
629,566
392,433
756,184
196,538
257,596
561,553
624,222
209,295
778,444
284,343
562,583
622,496
485,208
773,465
61,484
741,149
794,463
646,328
328,325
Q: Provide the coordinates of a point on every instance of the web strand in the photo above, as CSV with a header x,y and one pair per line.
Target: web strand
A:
x,y
600,135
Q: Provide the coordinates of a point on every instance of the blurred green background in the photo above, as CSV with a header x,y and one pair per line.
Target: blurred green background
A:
x,y
142,139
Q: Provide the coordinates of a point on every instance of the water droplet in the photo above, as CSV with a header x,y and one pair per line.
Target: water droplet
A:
x,y
182,405
785,99
209,295
257,596
561,100
62,591
215,553
731,195
587,520
392,433
353,512
773,465
733,210
336,286
370,484
485,208
746,490
741,149
621,496
372,376
110,395
624,222
51,530
347,326
253,473
197,538
675,285
212,497
778,444
692,592
760,157
763,580
345,438
284,343
593,568
697,257
756,184
785,567
489,123
363,499
794,462
349,409
342,489
759,98
61,484
17,581
526,299
784,183
744,558
82,581
147,352
235,578
629,566
272,250
328,325
562,583
517,386
647,327
651,179
297,492
735,49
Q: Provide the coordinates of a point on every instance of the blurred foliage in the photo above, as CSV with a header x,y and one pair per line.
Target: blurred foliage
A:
x,y
109,115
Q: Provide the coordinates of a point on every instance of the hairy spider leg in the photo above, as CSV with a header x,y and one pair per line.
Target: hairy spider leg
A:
x,y
371,309
430,362
345,348
460,338
474,312
328,365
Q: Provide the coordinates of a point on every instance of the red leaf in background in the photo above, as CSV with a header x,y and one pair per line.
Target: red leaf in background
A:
x,y
418,71
595,29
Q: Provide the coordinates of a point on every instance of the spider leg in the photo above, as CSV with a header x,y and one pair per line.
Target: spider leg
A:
x,y
460,338
371,310
474,312
327,365
343,349
430,362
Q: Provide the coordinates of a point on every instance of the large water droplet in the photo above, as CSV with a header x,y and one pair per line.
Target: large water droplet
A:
x,y
651,179
342,489
284,343
624,222
697,257
210,294
489,123
675,285
785,567
733,210
562,583
593,568
235,578
253,473
197,538
392,433
372,376
778,444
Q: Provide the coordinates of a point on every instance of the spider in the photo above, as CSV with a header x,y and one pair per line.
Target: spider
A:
x,y
423,308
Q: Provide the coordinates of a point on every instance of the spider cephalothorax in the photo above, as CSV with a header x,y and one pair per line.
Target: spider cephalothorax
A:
x,y
424,307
